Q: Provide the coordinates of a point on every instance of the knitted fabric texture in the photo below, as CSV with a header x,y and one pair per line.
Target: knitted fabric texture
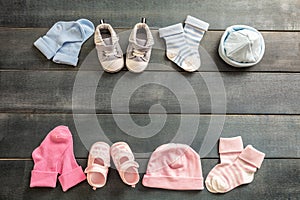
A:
x,y
175,167
55,156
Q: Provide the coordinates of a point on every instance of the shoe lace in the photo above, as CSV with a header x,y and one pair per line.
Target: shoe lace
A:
x,y
138,53
111,53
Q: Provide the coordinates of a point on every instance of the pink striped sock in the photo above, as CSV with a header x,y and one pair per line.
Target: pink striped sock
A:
x,y
240,172
229,149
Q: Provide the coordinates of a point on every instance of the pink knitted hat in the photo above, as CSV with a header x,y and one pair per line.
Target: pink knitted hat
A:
x,y
175,167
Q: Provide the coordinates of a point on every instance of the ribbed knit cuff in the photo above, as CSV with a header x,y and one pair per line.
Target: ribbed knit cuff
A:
x,y
43,179
170,30
48,47
72,178
252,156
173,183
231,145
197,22
65,59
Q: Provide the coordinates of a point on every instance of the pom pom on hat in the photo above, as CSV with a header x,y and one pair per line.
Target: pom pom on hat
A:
x,y
241,46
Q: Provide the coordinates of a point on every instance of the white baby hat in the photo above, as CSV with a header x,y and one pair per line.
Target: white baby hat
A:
x,y
241,46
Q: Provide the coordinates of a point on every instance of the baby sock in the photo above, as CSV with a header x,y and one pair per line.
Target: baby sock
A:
x,y
229,149
57,35
68,53
71,172
241,171
194,30
47,156
178,50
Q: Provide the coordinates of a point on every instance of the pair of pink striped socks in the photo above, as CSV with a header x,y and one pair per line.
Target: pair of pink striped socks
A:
x,y
237,166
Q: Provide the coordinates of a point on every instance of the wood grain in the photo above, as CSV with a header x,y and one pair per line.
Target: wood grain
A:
x,y
261,14
17,52
277,179
51,91
262,102
275,135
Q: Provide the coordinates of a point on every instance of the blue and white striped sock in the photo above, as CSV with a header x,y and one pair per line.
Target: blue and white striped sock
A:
x,y
194,30
178,49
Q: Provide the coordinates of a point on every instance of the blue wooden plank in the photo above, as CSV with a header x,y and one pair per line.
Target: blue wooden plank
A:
x,y
277,179
275,135
220,14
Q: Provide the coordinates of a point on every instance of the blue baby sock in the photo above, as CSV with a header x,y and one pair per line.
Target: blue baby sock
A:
x,y
58,34
194,30
68,53
178,49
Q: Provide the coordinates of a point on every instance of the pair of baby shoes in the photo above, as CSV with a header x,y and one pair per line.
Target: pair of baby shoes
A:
x,y
99,163
110,53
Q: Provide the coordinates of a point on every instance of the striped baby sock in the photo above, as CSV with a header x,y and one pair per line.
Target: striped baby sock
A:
x,y
178,50
229,149
240,172
194,30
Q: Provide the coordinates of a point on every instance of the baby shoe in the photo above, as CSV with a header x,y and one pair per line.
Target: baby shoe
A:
x,y
98,164
123,159
139,48
108,48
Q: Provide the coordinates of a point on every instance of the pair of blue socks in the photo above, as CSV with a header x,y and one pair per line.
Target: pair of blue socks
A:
x,y
64,40
182,43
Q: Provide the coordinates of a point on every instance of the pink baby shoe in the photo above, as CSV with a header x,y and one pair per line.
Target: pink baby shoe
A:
x,y
123,159
98,165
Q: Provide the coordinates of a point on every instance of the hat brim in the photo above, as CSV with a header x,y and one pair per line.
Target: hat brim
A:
x,y
231,62
173,183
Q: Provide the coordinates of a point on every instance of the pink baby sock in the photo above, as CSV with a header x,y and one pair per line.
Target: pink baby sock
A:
x,y
52,157
70,172
241,171
47,155
229,149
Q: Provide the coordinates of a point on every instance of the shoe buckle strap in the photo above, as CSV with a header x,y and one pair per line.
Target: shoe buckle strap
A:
x,y
129,163
102,156
96,168
123,154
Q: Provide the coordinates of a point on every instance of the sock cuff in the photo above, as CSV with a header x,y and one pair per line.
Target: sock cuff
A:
x,y
170,30
62,58
43,179
71,178
231,145
197,22
252,156
48,50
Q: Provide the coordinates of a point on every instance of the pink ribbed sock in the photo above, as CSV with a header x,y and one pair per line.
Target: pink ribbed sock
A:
x,y
70,172
47,156
229,149
240,172
55,156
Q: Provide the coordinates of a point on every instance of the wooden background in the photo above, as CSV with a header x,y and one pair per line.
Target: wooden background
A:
x,y
262,101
